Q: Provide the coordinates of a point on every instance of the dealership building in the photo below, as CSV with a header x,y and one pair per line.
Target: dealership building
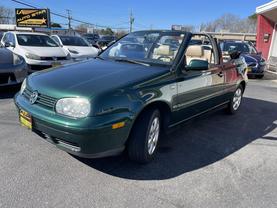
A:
x,y
267,32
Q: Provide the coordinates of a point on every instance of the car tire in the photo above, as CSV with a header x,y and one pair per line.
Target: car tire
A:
x,y
144,137
259,76
235,101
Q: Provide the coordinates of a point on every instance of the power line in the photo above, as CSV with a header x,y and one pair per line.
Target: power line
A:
x,y
67,17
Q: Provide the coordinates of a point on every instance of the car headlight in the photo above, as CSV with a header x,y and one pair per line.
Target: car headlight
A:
x,y
73,51
32,56
23,86
17,59
262,62
73,107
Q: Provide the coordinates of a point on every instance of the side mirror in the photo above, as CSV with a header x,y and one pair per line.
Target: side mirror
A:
x,y
234,54
9,44
259,53
198,65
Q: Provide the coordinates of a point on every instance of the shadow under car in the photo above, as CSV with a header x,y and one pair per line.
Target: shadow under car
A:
x,y
198,143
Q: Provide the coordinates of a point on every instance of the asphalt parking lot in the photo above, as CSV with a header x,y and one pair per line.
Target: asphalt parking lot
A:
x,y
214,161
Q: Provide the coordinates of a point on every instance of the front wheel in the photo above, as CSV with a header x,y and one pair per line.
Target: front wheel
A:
x,y
145,136
235,102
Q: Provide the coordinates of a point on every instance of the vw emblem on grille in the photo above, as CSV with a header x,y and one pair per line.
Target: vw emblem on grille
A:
x,y
33,97
55,58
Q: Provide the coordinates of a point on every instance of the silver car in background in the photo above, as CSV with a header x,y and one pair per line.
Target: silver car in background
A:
x,y
13,69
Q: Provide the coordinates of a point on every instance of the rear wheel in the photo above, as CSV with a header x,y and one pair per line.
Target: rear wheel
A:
x,y
235,102
144,137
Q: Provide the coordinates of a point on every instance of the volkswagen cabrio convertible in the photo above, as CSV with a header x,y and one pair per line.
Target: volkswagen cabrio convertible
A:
x,y
138,88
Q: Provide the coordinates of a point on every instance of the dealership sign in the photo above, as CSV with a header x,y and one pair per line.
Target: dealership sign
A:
x,y
32,18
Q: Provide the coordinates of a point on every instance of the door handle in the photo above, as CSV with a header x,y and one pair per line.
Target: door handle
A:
x,y
220,74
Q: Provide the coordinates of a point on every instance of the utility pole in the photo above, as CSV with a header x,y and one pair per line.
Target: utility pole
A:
x,y
132,20
69,17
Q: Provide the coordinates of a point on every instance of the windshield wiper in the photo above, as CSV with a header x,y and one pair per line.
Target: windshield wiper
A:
x,y
131,61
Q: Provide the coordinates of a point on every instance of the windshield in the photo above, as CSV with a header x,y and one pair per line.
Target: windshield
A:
x,y
239,46
35,40
73,41
146,47
91,36
108,38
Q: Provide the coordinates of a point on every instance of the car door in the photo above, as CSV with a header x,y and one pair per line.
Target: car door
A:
x,y
232,73
200,90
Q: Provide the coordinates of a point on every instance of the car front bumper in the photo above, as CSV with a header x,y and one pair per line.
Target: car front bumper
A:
x,y
37,65
258,70
91,137
12,75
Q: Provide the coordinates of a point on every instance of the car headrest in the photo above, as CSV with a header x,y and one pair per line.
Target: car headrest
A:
x,y
195,51
163,50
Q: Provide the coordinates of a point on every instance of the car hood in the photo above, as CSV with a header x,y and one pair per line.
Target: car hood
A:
x,y
45,51
252,58
89,78
83,51
6,57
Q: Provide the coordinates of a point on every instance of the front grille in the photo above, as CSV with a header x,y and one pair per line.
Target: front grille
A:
x,y
42,100
54,140
53,58
5,78
39,67
252,64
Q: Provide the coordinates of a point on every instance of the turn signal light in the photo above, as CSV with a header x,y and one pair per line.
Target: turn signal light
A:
x,y
118,125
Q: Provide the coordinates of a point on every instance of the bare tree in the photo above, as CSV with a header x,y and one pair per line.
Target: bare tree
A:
x,y
231,23
82,28
6,15
120,33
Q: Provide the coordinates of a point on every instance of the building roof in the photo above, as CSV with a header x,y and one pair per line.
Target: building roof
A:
x,y
28,33
7,27
269,10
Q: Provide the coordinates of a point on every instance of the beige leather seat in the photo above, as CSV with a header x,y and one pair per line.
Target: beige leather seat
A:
x,y
208,55
195,52
164,53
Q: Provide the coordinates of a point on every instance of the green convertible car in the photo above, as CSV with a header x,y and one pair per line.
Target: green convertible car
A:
x,y
141,85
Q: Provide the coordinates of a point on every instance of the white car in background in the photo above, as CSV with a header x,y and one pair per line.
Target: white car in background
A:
x,y
38,50
78,47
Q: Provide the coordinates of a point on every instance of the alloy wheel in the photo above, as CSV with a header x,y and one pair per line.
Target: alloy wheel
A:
x,y
237,99
153,135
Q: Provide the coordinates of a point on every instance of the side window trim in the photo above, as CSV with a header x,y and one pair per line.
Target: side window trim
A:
x,y
13,39
7,38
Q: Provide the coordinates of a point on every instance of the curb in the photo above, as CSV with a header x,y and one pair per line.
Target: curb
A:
x,y
270,75
272,72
